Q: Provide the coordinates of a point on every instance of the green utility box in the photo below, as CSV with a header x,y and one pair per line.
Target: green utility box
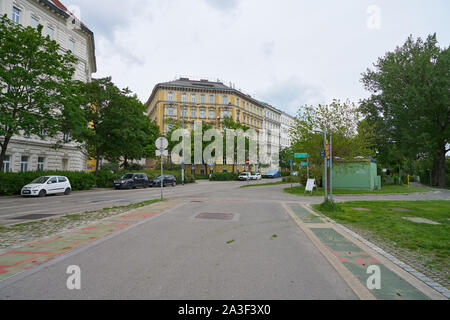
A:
x,y
357,174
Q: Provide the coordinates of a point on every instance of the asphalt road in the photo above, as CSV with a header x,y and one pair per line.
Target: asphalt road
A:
x,y
178,256
12,209
260,254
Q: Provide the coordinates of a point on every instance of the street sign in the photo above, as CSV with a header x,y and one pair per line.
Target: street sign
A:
x,y
310,185
291,162
163,153
322,153
304,163
162,143
301,155
328,149
247,162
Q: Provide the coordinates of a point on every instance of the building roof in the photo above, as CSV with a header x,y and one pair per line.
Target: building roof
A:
x,y
62,10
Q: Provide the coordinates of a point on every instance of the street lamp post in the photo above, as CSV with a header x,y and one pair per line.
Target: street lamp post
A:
x,y
325,169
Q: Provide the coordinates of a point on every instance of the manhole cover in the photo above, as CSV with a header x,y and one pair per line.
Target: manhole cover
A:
x,y
34,217
215,216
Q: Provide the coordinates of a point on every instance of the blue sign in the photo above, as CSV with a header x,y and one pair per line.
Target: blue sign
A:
x,y
322,153
291,162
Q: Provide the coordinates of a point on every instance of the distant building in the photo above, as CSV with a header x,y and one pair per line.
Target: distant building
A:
x,y
286,123
28,152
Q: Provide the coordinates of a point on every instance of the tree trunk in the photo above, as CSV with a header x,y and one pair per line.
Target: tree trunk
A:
x,y
3,152
439,169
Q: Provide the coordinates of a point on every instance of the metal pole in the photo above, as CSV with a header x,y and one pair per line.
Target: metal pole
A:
x,y
307,169
162,177
325,169
331,168
182,159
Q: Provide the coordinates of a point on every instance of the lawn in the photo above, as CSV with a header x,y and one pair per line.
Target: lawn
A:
x,y
387,223
300,190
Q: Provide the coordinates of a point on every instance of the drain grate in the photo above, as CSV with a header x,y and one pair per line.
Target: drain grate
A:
x,y
215,216
34,217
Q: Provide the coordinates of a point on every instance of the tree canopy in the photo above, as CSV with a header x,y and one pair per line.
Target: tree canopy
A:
x,y
409,105
37,94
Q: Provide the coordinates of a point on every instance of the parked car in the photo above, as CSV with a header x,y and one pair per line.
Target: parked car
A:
x,y
244,176
168,180
273,173
43,186
256,176
132,181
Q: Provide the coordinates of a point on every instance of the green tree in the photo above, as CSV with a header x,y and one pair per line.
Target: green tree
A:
x,y
129,132
352,136
37,94
410,104
98,96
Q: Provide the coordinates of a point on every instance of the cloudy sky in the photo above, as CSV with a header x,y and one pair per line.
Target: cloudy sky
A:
x,y
286,52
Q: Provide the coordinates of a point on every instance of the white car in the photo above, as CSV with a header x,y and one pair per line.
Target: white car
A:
x,y
256,176
245,176
43,186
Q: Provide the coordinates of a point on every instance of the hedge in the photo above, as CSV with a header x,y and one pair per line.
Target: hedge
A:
x,y
11,182
224,176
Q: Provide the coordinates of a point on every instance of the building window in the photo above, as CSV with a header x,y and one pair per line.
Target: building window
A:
x,y
202,98
66,137
51,32
193,98
34,21
41,161
237,102
194,113
211,114
211,99
226,114
238,116
184,97
170,96
6,163
184,112
202,113
16,15
225,100
170,110
24,164
72,45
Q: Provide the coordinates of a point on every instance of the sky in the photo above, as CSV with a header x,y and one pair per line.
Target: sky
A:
x,y
288,53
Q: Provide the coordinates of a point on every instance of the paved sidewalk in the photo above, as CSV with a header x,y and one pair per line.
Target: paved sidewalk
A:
x,y
38,252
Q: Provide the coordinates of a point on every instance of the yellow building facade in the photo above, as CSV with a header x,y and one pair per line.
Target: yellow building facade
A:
x,y
203,100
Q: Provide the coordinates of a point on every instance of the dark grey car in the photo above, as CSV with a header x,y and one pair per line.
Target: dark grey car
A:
x,y
132,181
169,180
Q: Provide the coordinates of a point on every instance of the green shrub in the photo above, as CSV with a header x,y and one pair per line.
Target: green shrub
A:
x,y
292,179
105,178
224,176
12,182
135,167
202,176
110,166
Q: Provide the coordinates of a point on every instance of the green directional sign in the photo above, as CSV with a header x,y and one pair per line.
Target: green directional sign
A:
x,y
301,155
304,164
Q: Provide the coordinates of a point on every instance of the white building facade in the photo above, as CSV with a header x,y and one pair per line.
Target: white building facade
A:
x,y
286,123
31,153
271,136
